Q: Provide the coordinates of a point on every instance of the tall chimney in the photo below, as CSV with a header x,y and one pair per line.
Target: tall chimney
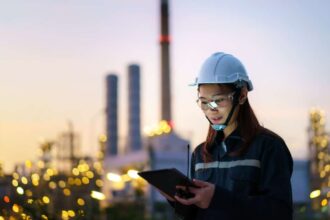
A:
x,y
165,63
134,133
112,114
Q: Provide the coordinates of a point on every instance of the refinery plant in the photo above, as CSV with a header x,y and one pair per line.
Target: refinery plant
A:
x,y
61,183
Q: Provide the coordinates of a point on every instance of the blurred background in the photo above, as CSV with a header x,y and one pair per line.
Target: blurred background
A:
x,y
94,91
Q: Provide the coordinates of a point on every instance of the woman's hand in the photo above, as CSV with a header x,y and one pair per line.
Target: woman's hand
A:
x,y
203,194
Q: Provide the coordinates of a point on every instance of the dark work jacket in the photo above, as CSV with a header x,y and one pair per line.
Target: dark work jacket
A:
x,y
255,185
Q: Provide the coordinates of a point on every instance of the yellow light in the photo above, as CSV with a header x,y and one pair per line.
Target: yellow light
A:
x,y
158,132
322,174
133,174
163,127
100,171
66,192
85,180
125,178
28,193
327,168
71,213
71,181
99,183
65,214
100,154
324,202
35,176
315,194
118,185
162,124
80,202
52,185
2,218
97,195
97,165
14,183
24,180
113,177
35,182
30,201
16,176
83,167
135,184
15,208
77,181
102,138
28,164
50,172
44,217
324,142
167,130
55,171
20,190
41,164
75,171
90,174
45,199
61,183
320,155
46,177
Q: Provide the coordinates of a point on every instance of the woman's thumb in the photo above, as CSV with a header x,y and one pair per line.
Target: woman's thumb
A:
x,y
200,183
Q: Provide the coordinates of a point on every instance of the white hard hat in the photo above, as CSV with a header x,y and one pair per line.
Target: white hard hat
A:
x,y
222,68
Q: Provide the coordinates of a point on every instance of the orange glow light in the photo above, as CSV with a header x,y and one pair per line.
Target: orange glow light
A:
x,y
164,38
6,199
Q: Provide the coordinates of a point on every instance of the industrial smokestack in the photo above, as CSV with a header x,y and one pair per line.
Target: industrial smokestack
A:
x,y
165,63
112,114
134,132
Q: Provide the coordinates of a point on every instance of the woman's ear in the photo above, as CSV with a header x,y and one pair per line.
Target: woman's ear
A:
x,y
243,96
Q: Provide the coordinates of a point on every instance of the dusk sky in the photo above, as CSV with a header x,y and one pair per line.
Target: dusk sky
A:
x,y
55,54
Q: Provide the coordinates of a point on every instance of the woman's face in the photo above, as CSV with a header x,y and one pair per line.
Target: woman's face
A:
x,y
216,101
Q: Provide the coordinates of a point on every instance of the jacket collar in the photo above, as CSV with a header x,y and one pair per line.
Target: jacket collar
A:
x,y
231,143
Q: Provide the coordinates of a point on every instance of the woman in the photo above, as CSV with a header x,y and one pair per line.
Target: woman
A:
x,y
242,170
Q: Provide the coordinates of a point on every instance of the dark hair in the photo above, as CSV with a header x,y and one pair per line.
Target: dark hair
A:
x,y
249,127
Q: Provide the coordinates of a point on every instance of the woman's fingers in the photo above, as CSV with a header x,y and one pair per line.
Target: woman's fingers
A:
x,y
200,183
189,201
181,187
194,190
203,194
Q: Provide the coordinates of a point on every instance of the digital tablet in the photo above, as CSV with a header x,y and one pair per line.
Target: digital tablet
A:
x,y
166,180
